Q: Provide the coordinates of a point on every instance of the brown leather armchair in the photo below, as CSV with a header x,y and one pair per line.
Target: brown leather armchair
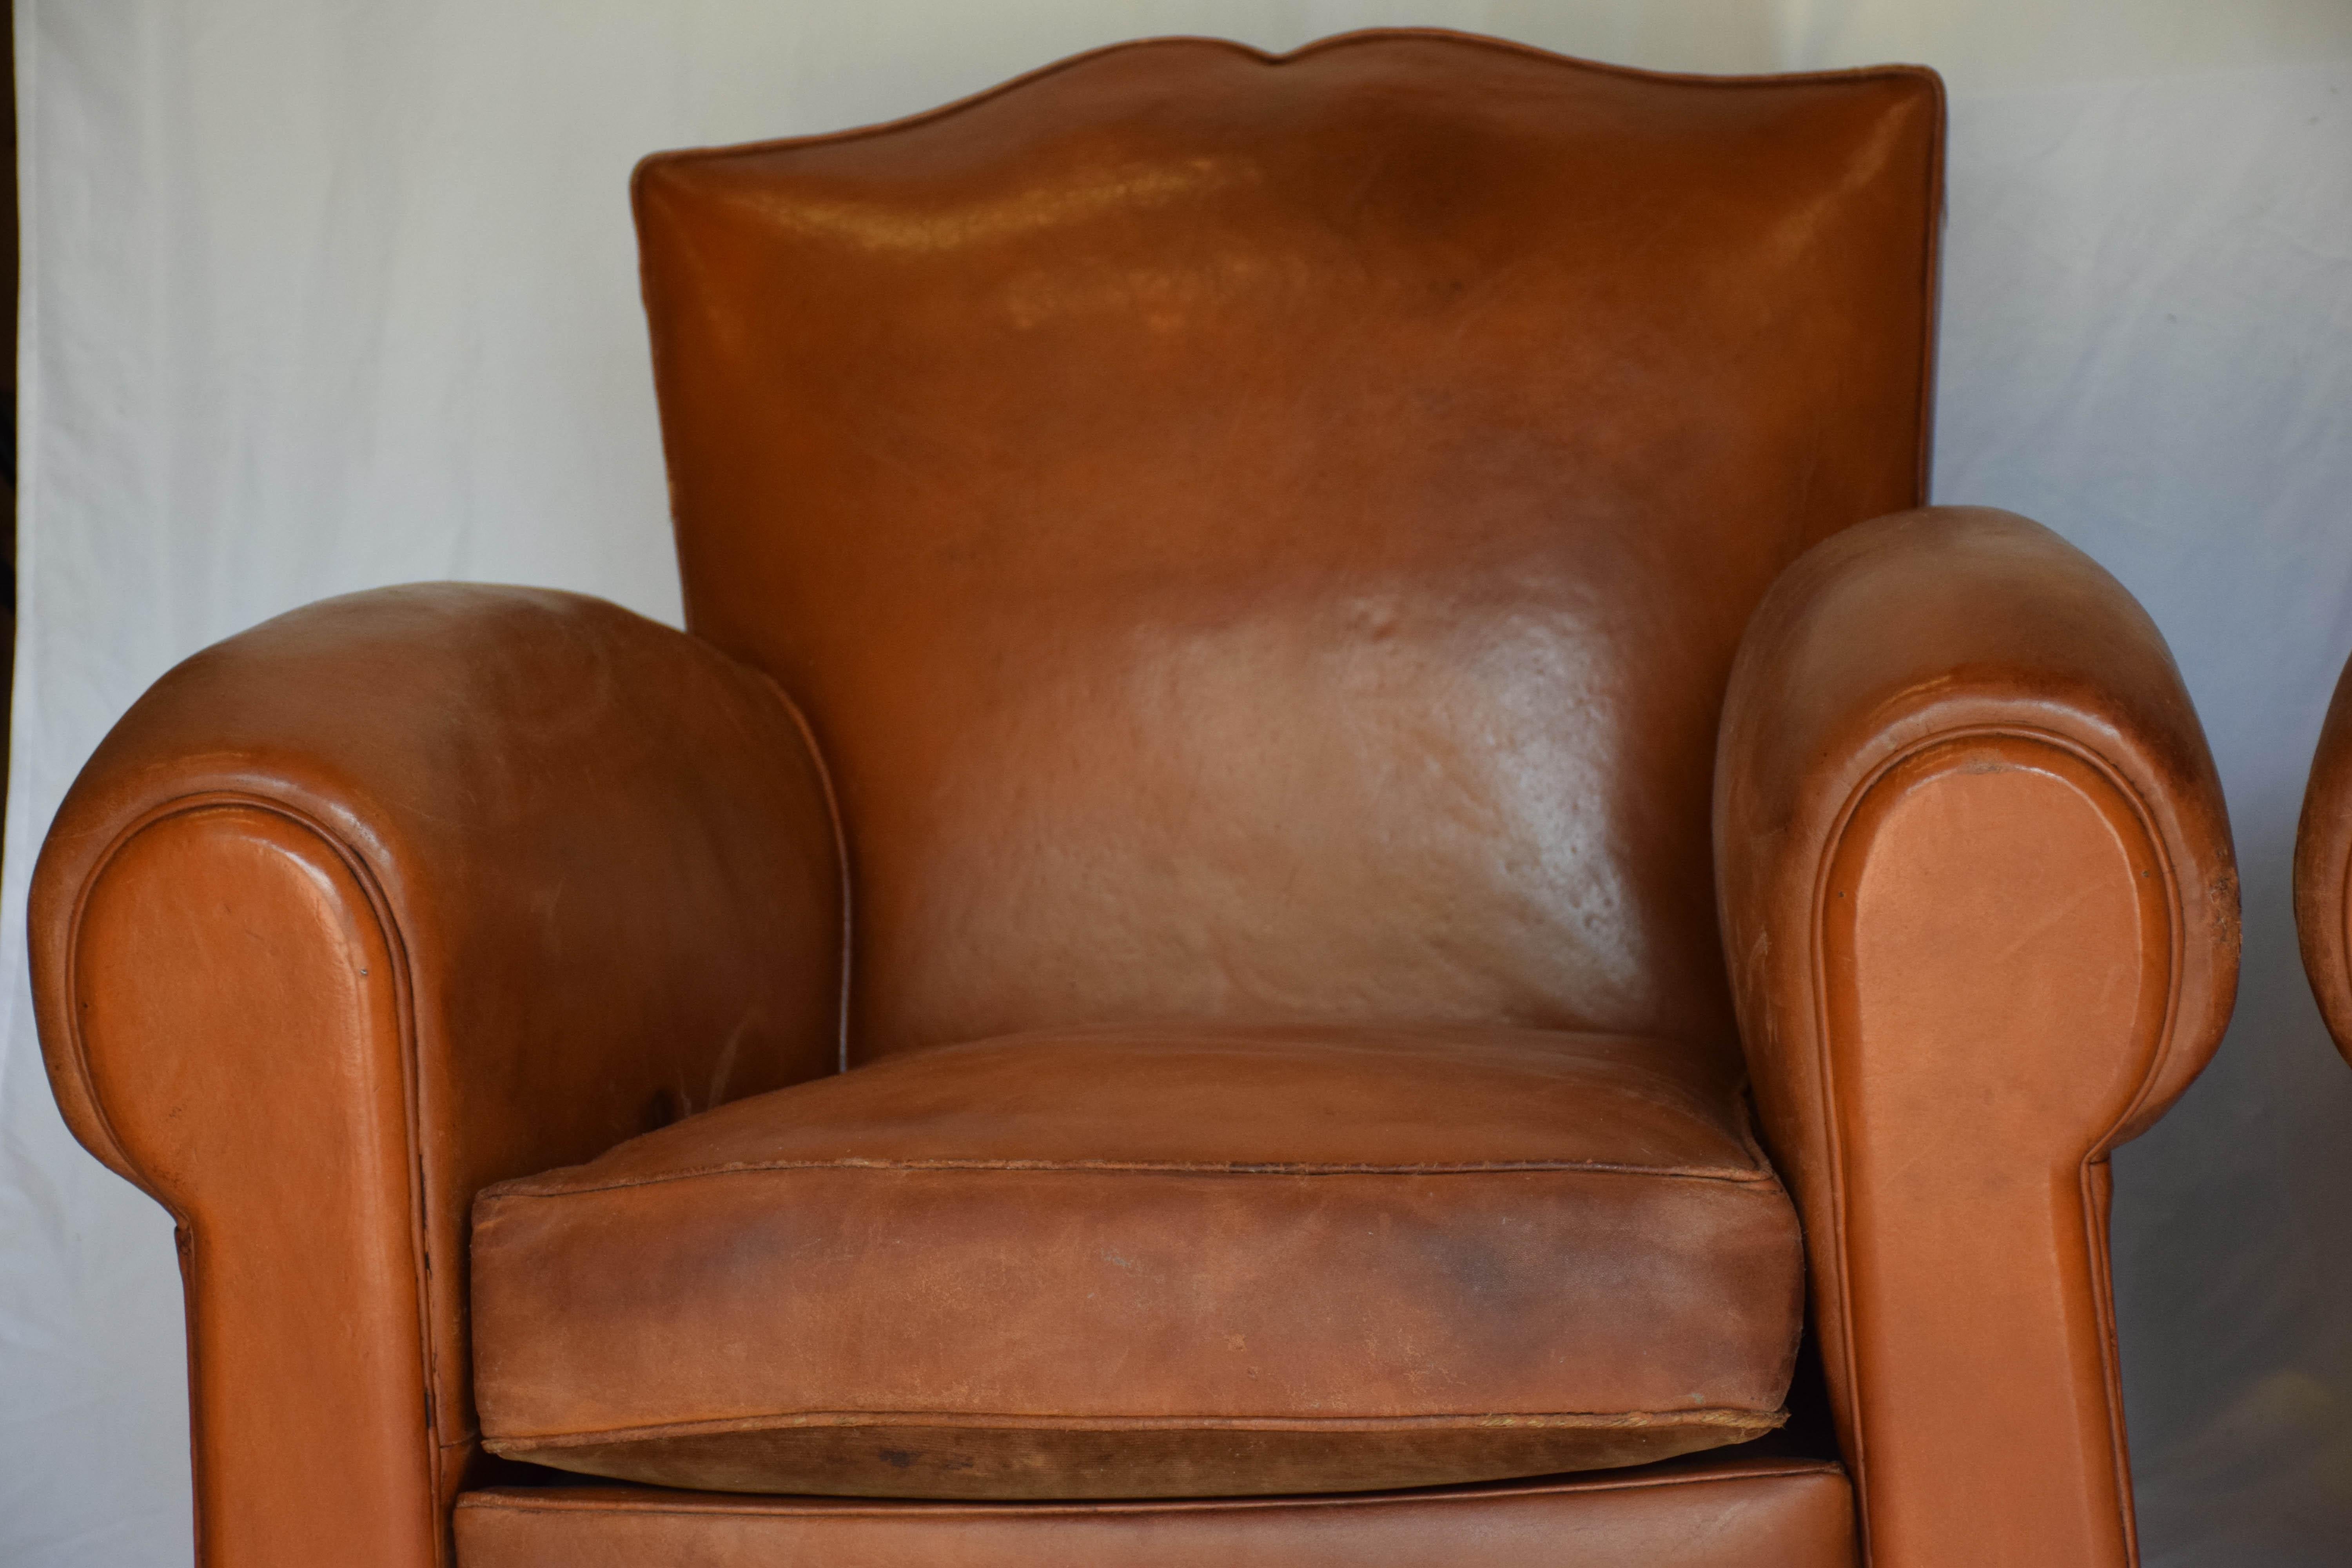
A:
x,y
1301,673
2323,863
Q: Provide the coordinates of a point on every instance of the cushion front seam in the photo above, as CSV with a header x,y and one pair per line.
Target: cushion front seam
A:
x,y
859,1507
826,1420
1730,1174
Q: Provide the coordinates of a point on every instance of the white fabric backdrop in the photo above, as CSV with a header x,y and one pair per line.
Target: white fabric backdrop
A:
x,y
324,297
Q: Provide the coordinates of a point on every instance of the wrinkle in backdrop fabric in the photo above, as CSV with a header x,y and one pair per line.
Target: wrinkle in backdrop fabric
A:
x,y
324,298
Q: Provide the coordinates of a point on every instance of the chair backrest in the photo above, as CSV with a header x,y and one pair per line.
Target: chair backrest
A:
x,y
1266,538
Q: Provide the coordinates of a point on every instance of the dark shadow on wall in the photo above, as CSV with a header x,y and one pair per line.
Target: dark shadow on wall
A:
x,y
2228,1393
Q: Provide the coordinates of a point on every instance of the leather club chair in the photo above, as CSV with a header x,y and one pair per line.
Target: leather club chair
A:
x,y
1302,674
2323,863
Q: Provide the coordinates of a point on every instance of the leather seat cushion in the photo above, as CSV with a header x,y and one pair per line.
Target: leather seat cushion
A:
x,y
1154,1263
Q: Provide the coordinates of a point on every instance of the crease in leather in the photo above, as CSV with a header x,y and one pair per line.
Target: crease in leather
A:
x,y
1073,1463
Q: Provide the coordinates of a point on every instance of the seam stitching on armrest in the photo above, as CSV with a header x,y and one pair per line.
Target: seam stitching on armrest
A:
x,y
807,733
404,1013
2102,1286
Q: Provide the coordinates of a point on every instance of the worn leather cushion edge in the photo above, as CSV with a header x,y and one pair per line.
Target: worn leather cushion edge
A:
x,y
1716,1512
962,1457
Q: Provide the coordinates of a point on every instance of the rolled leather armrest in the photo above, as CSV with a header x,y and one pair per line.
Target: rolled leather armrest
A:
x,y
1980,909
385,899
2323,863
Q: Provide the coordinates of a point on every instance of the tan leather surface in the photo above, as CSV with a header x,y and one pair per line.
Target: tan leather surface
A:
x,y
1980,898
2323,862
1712,1514
1265,539
1155,1263
379,901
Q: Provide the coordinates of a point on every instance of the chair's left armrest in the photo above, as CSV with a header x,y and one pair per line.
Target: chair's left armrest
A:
x,y
1980,910
2323,869
385,899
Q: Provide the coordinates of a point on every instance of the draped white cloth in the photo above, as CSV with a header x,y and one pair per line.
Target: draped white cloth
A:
x,y
322,296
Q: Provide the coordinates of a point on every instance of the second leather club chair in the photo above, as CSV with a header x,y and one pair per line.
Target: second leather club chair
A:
x,y
1307,680
2323,869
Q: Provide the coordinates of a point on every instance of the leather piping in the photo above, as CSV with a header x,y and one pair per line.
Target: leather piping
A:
x,y
2100,1273
396,947
840,849
1633,1420
1931,297
1319,46
1090,1167
1929,274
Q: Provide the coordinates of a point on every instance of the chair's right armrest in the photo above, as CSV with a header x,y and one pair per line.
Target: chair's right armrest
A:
x,y
2323,864
385,899
1980,910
